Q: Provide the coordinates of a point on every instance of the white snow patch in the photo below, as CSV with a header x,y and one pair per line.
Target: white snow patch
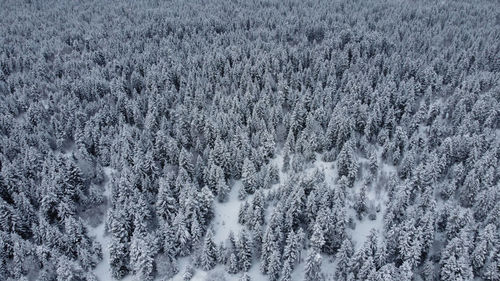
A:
x,y
363,228
378,197
103,269
328,268
226,215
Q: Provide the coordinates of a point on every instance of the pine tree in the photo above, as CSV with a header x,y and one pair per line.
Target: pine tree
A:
x,y
188,273
292,249
68,270
381,256
317,238
313,266
182,235
344,260
367,270
361,204
213,174
244,252
185,161
165,203
74,181
347,164
206,202
479,255
470,189
242,214
428,270
492,271
196,231
198,169
373,163
387,273
286,272
256,237
209,254
274,267
222,190
268,145
257,211
119,249
242,194
232,266
248,176
245,277
142,252
455,263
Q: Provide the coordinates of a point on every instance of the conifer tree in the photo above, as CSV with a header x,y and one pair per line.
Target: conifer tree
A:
x,y
244,252
245,277
232,266
317,238
313,266
344,260
347,164
222,190
209,254
248,176
275,264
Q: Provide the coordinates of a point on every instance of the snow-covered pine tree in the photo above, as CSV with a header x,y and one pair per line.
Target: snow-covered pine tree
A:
x,y
208,258
275,265
244,252
313,266
347,164
248,174
232,266
344,260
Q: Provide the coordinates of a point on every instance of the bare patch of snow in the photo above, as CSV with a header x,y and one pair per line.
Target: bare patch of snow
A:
x,y
103,269
226,215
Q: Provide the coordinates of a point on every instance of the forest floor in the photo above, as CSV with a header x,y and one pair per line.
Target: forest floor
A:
x,y
103,269
226,221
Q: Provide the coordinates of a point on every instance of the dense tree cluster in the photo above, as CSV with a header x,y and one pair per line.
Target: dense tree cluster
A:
x,y
186,98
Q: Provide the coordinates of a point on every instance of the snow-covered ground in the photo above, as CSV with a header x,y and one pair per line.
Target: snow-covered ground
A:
x,y
226,221
103,269
365,225
226,215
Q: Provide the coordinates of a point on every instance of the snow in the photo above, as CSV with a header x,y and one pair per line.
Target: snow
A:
x,y
226,221
109,173
226,215
218,273
365,225
103,269
278,161
328,267
255,273
363,228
